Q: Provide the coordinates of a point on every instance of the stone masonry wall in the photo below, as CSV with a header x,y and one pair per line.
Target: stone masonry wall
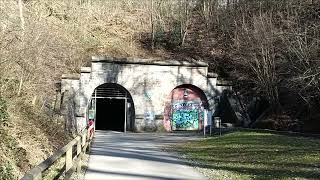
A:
x,y
148,83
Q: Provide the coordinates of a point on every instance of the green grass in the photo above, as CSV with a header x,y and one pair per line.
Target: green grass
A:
x,y
251,155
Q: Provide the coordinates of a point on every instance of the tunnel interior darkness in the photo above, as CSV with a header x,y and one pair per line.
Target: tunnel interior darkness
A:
x,y
110,114
112,108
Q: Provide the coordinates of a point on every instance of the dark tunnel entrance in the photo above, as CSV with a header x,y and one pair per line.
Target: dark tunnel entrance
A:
x,y
110,114
112,108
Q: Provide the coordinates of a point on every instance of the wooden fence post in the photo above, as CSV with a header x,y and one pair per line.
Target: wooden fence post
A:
x,y
79,154
78,146
69,159
84,139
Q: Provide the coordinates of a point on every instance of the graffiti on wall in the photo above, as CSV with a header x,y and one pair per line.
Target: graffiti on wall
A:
x,y
147,95
185,119
149,114
186,115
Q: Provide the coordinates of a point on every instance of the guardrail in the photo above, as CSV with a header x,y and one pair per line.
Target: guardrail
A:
x,y
72,152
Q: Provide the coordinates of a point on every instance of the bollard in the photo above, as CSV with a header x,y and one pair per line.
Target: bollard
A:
x,y
217,123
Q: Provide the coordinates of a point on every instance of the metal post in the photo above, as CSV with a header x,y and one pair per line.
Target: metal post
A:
x,y
125,114
210,121
205,121
204,127
220,126
95,107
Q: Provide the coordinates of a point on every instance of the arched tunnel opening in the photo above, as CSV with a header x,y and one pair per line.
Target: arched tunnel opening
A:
x,y
111,107
185,109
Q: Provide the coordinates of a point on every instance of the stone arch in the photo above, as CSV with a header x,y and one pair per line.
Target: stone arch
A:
x,y
184,108
111,95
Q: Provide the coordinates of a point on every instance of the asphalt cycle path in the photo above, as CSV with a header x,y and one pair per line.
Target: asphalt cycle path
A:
x,y
133,156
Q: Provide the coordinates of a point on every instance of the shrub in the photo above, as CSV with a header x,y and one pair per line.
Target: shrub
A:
x,y
3,110
6,172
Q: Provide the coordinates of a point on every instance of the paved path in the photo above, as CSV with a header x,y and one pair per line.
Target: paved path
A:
x,y
137,156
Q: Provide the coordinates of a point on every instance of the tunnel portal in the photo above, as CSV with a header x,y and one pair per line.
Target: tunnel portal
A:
x,y
111,108
165,95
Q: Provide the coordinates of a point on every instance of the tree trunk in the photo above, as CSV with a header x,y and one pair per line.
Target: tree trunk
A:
x,y
152,27
20,4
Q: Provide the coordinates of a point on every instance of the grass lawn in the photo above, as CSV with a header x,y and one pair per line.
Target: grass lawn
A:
x,y
252,155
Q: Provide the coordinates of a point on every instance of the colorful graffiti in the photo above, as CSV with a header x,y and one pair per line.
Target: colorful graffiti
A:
x,y
185,119
149,116
186,115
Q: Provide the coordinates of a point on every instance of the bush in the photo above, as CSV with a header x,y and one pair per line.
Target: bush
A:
x,y
3,110
6,172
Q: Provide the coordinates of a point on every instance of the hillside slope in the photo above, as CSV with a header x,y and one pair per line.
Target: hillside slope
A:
x,y
40,41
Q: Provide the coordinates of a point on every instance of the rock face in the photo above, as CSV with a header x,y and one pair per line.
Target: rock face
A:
x,y
152,91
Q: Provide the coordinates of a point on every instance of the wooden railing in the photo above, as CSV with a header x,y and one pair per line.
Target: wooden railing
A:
x,y
72,154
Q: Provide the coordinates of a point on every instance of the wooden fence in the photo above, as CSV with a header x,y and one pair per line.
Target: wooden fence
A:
x,y
72,154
